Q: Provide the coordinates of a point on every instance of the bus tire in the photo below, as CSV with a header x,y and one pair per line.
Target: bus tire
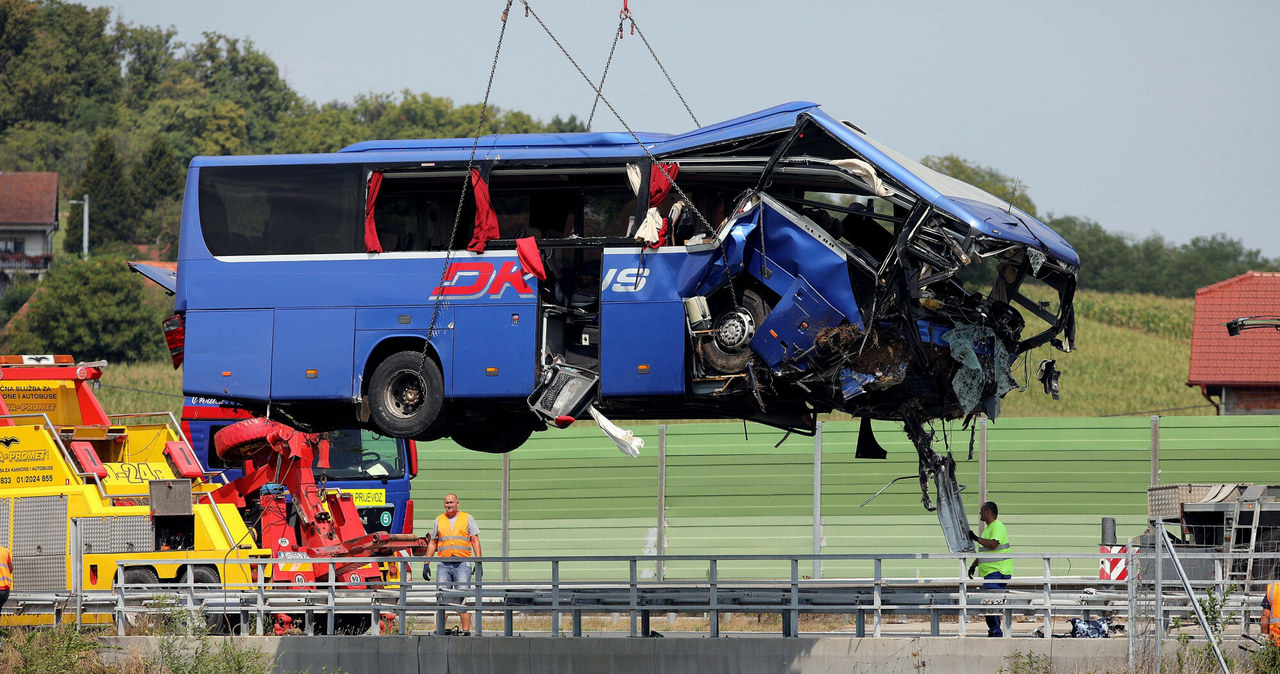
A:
x,y
405,394
492,435
729,350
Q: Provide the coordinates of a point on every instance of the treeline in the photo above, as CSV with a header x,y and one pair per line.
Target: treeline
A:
x,y
1121,263
118,110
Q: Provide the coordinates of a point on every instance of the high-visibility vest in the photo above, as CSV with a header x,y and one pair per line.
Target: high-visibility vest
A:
x,y
454,541
996,532
6,569
1273,595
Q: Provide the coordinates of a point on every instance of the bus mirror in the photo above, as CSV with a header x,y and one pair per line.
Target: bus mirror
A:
x,y
413,458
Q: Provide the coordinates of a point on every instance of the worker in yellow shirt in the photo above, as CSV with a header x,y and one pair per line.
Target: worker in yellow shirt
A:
x,y
456,537
994,537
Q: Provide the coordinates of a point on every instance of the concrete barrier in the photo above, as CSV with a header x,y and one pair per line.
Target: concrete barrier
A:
x,y
672,655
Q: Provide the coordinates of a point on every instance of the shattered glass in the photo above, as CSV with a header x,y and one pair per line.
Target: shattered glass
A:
x,y
978,370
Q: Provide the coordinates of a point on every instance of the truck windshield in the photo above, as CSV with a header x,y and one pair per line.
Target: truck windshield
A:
x,y
361,455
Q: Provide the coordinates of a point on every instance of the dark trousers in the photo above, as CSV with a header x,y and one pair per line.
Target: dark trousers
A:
x,y
993,621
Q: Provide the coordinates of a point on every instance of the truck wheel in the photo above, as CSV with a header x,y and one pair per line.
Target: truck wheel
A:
x,y
729,350
405,394
492,435
140,575
201,575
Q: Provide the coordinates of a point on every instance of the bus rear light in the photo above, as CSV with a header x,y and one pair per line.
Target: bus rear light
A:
x,y
226,373
175,336
491,372
313,374
642,369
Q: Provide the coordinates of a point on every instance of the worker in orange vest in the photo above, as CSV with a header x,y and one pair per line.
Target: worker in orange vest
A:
x,y
1270,624
6,575
455,537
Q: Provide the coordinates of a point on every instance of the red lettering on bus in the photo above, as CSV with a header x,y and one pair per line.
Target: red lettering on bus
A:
x,y
510,275
483,271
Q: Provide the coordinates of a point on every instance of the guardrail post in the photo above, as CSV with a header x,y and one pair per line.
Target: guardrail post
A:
x,y
875,618
333,598
660,546
817,501
793,613
632,599
1131,579
262,597
405,579
479,585
1159,592
962,620
121,618
714,613
1048,604
555,597
506,516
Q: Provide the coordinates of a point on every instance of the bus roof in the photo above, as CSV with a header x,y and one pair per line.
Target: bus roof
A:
x,y
988,214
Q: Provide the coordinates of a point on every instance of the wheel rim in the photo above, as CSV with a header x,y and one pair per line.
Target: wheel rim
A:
x,y
405,394
735,329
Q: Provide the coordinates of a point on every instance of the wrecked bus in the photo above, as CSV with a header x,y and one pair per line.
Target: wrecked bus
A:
x,y
771,267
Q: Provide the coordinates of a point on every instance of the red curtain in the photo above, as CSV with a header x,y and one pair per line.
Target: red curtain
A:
x,y
659,183
371,243
486,220
530,257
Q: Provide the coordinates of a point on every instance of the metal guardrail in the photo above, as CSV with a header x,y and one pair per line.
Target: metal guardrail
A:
x,y
1147,591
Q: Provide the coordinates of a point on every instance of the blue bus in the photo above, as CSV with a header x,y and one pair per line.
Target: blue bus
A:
x,y
374,469
771,267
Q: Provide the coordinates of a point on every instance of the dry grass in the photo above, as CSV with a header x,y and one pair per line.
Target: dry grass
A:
x,y
141,387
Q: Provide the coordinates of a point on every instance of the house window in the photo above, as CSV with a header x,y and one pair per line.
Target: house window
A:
x,y
13,245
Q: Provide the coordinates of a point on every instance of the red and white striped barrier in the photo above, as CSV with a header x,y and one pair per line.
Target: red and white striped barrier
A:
x,y
1113,568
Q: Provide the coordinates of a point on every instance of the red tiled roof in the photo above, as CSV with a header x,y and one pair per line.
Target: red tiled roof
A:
x,y
29,198
1253,357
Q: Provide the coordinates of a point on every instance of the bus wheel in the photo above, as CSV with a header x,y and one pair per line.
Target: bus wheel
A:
x,y
405,394
729,350
492,435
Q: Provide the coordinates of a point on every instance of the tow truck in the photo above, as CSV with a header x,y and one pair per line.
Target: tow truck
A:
x,y
81,490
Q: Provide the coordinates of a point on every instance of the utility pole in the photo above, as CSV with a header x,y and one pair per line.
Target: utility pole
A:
x,y
84,234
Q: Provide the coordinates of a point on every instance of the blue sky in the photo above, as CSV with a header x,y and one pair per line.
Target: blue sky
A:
x,y
1144,116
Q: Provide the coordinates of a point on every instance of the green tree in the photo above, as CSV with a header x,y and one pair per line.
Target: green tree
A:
x,y
63,68
234,72
148,60
984,177
112,207
94,309
158,175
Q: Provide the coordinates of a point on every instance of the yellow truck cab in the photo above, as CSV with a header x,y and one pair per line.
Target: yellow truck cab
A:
x,y
80,489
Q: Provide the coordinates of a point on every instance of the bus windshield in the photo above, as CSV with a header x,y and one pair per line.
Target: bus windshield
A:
x,y
361,455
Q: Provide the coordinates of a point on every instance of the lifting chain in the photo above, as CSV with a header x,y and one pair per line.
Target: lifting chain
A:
x,y
733,296
466,181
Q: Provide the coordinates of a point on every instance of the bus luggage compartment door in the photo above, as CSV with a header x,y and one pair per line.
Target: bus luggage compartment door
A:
x,y
216,368
312,354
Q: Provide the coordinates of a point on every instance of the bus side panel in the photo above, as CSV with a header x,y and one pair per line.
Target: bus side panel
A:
x,y
313,352
494,351
228,354
642,323
642,349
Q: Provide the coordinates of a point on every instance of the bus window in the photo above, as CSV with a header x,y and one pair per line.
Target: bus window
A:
x,y
416,213
281,210
608,211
